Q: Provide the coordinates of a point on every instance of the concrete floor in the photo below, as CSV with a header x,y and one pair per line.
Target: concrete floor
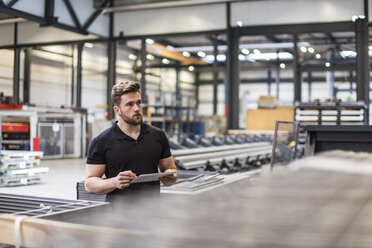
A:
x,y
59,182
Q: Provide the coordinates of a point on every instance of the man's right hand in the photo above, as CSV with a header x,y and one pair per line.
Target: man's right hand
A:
x,y
122,180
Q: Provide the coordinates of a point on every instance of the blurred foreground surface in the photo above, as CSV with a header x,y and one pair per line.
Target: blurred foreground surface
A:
x,y
299,206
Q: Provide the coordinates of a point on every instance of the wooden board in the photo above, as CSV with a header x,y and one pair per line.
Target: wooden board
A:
x,y
264,119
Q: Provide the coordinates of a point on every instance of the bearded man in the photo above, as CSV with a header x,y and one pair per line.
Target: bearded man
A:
x,y
128,149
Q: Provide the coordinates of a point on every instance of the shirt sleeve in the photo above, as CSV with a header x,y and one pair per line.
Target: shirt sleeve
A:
x,y
166,153
95,153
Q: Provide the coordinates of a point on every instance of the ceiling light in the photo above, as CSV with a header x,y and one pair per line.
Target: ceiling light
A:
x,y
89,45
241,46
150,56
186,54
311,50
221,57
348,54
282,65
201,54
354,17
239,23
370,48
327,64
132,56
318,56
149,41
191,68
256,51
303,49
245,51
165,61
266,56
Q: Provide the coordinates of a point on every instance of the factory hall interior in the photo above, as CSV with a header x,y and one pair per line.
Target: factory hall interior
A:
x,y
185,123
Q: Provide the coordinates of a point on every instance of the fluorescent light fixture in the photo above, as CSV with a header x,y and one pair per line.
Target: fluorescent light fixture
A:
x,y
239,23
186,54
370,48
282,65
311,50
132,56
269,56
303,49
210,58
201,54
165,61
354,17
256,51
348,54
245,51
221,57
327,64
318,56
149,41
150,56
241,46
191,68
251,57
88,44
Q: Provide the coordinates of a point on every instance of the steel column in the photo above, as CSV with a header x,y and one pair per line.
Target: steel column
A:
x,y
232,73
309,80
72,74
269,82
366,10
215,76
111,66
351,81
277,78
16,66
362,61
79,74
111,76
197,78
143,71
178,103
27,75
296,70
49,12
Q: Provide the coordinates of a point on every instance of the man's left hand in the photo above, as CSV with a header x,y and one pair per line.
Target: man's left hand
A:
x,y
170,179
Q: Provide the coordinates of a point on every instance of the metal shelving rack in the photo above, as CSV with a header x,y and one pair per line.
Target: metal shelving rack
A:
x,y
329,113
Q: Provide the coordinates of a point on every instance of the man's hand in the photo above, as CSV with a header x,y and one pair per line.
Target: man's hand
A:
x,y
170,179
122,180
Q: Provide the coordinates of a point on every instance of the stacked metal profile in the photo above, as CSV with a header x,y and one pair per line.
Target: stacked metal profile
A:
x,y
40,206
20,168
224,158
81,194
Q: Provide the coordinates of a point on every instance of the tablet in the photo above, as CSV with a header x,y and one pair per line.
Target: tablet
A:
x,y
151,177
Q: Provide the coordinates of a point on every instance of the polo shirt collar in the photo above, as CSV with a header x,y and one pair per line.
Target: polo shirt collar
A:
x,y
121,135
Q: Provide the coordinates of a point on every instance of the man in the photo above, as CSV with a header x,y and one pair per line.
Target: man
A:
x,y
128,149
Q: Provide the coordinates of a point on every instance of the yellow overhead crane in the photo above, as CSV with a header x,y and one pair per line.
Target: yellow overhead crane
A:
x,y
161,50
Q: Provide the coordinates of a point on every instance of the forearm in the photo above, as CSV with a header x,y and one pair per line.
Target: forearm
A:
x,y
99,186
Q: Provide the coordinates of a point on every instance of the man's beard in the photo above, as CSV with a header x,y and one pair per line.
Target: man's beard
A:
x,y
132,121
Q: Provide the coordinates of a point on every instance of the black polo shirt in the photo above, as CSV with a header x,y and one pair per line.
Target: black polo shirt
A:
x,y
120,152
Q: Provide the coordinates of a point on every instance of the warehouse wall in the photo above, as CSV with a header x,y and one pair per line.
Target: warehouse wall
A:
x,y
51,78
6,72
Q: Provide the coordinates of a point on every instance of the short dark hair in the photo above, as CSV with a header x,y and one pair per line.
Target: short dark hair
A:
x,y
122,88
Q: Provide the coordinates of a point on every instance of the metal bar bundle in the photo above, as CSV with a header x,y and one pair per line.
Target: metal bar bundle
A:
x,y
20,168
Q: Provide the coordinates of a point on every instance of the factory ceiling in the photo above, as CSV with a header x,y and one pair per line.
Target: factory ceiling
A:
x,y
323,45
